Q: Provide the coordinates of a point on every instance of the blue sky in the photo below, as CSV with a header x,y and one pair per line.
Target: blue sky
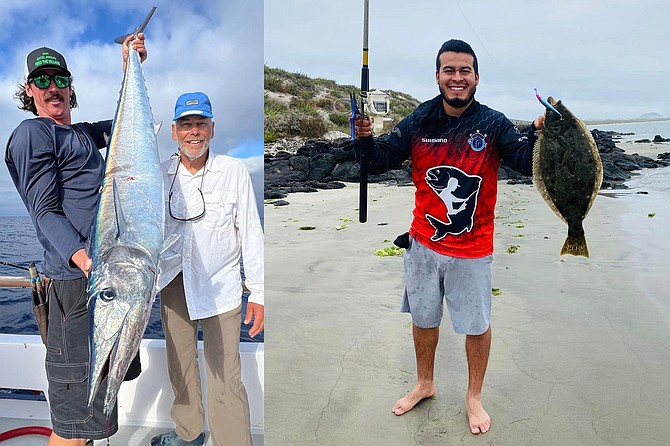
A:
x,y
214,46
603,58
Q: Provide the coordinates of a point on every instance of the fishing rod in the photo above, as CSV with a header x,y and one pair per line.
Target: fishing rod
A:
x,y
139,29
14,265
17,281
364,155
374,105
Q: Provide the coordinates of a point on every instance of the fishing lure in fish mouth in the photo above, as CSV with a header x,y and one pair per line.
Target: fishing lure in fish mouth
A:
x,y
546,104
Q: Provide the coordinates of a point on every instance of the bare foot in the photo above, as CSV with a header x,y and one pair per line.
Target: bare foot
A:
x,y
479,420
410,400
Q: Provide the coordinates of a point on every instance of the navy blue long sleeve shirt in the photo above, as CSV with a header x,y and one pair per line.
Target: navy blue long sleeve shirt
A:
x,y
57,170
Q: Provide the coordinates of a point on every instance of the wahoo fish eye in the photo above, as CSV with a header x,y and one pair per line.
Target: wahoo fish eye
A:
x,y
107,295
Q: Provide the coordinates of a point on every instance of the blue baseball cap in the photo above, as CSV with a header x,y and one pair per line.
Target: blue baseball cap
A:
x,y
196,103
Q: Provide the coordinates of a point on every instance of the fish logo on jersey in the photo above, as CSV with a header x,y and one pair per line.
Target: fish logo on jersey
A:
x,y
477,141
459,192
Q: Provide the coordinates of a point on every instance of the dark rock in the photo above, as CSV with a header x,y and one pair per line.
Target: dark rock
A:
x,y
274,194
300,163
331,185
343,143
403,177
273,179
280,203
347,171
322,164
303,188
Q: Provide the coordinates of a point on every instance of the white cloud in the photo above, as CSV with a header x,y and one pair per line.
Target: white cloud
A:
x,y
217,48
606,57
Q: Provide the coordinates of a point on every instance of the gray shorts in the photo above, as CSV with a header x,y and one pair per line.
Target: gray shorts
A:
x,y
67,365
430,278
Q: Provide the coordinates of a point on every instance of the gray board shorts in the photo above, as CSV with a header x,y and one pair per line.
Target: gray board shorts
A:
x,y
431,278
67,364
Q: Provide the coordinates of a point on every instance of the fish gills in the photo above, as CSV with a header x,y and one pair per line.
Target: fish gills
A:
x,y
567,172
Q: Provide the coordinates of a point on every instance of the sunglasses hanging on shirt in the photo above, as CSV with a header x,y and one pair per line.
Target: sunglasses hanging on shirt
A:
x,y
202,197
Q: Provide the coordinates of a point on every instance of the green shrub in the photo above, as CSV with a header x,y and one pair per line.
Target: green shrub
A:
x,y
340,119
312,127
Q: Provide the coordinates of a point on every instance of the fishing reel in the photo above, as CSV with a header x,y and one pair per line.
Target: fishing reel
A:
x,y
377,105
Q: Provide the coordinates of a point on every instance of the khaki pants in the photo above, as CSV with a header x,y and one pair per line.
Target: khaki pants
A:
x,y
227,404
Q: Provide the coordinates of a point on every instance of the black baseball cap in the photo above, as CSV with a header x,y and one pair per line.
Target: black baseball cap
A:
x,y
45,58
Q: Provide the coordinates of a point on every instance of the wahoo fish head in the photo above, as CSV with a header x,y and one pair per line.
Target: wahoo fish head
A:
x,y
120,294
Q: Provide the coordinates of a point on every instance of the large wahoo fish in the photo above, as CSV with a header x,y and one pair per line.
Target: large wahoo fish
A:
x,y
127,238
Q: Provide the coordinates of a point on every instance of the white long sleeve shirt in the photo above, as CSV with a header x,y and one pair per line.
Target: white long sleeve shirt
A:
x,y
211,246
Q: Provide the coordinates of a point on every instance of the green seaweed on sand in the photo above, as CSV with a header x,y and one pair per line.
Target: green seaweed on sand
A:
x,y
307,228
513,249
390,251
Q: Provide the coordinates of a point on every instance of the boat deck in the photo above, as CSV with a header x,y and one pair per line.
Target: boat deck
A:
x,y
127,435
144,404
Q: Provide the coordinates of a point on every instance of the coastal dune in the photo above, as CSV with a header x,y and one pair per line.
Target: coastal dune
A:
x,y
580,351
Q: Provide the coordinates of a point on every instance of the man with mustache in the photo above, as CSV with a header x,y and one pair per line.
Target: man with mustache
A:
x,y
449,258
212,207
57,169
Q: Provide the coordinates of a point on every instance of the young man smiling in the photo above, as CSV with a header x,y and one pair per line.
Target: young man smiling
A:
x,y
456,145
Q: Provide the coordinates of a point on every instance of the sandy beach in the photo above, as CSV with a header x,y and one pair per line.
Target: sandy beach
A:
x,y
581,347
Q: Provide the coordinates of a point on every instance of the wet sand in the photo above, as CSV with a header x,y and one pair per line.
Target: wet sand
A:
x,y
581,347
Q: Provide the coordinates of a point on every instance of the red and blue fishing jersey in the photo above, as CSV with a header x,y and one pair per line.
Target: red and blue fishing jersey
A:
x,y
455,164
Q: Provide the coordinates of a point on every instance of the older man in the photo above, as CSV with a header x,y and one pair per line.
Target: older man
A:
x,y
211,205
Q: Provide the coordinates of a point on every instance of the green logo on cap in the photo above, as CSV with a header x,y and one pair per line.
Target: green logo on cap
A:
x,y
46,59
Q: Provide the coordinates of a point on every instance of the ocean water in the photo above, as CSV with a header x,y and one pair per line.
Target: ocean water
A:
x,y
642,130
646,223
19,246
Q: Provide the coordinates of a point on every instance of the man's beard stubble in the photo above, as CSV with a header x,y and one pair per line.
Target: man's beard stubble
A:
x,y
457,102
201,152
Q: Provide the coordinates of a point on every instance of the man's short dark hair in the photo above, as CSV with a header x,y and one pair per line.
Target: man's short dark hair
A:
x,y
26,103
457,46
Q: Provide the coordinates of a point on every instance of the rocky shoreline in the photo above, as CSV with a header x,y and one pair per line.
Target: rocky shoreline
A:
x,y
307,166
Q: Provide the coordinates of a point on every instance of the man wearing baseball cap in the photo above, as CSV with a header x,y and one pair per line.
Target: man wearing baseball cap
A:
x,y
211,205
43,58
57,169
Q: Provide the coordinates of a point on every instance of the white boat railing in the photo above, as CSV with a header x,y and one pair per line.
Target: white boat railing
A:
x,y
145,401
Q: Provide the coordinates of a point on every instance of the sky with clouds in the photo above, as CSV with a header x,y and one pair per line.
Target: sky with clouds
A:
x,y
214,46
603,58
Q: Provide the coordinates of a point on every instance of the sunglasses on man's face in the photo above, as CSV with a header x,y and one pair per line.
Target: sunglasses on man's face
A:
x,y
44,80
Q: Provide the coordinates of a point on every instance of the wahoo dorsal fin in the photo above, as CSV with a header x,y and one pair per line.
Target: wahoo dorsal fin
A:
x,y
121,224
